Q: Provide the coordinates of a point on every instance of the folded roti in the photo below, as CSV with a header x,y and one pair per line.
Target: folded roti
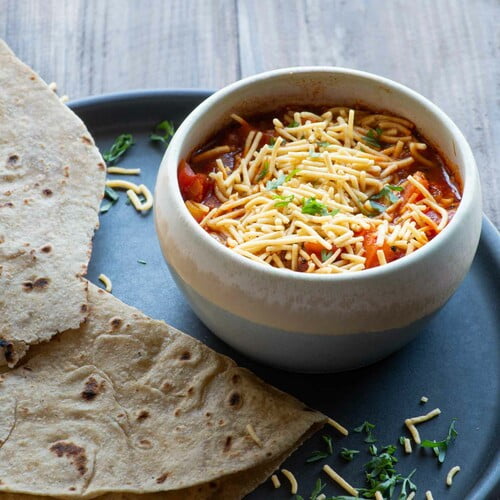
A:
x,y
127,405
51,183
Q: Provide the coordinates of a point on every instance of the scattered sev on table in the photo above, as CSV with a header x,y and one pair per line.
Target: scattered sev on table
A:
x,y
412,422
337,426
327,196
340,480
133,190
451,475
294,487
108,286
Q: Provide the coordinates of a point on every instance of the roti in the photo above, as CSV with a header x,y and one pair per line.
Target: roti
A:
x,y
128,405
51,183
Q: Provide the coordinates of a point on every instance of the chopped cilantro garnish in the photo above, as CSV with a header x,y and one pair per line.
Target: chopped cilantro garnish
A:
x,y
367,428
283,200
387,192
372,450
378,207
275,183
293,124
348,454
292,174
314,155
112,198
110,193
407,482
163,132
272,141
312,206
371,138
122,143
264,171
441,447
105,206
379,131
316,455
325,255
324,144
320,455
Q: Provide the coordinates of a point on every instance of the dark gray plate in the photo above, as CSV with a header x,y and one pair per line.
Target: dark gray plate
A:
x,y
455,362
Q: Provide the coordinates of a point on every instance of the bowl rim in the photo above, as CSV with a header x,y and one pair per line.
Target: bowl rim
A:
x,y
469,176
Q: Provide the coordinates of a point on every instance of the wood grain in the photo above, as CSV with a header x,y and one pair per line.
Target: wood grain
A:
x,y
448,50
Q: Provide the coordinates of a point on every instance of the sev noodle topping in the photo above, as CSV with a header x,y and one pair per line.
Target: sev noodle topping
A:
x,y
320,192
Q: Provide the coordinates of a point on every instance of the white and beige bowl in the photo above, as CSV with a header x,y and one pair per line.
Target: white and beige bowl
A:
x,y
305,322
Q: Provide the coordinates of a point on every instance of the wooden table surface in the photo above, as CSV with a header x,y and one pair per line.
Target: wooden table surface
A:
x,y
448,50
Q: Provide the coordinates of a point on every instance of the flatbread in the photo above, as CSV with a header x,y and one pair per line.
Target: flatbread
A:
x,y
51,183
127,405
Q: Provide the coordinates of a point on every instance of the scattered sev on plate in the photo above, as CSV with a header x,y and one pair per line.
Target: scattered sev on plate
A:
x,y
412,422
133,190
329,192
451,475
108,286
340,480
293,482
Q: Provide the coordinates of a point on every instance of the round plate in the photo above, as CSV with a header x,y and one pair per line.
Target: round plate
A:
x,y
455,362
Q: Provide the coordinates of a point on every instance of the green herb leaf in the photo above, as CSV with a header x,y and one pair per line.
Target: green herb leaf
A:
x,y
324,144
111,194
407,483
441,447
284,200
329,444
316,456
312,206
378,207
367,428
272,141
105,206
163,132
140,261
293,124
379,131
387,192
325,255
348,454
292,174
371,139
121,145
402,440
263,172
318,488
372,450
275,183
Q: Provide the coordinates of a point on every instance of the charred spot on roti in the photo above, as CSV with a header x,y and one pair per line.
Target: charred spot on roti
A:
x,y
208,414
72,488
8,350
142,415
185,356
235,400
269,454
12,159
227,444
166,387
306,408
41,283
221,422
7,204
27,286
162,478
177,412
66,171
213,485
46,248
92,389
235,379
145,444
87,140
190,391
47,192
101,165
83,308
115,323
27,368
75,454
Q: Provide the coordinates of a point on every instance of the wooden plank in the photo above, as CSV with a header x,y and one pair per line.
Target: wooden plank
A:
x,y
93,46
444,49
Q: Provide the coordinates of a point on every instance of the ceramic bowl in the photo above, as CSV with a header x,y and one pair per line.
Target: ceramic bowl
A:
x,y
305,322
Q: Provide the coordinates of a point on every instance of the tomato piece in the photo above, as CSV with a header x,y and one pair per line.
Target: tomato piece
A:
x,y
313,247
370,244
193,186
410,189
